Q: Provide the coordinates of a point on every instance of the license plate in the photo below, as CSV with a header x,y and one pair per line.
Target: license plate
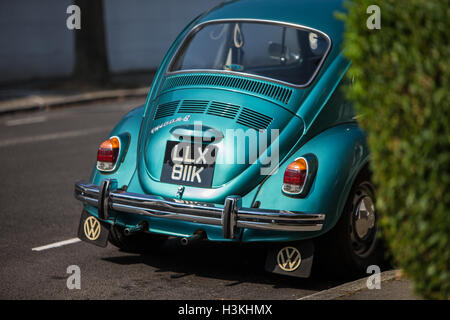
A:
x,y
190,164
93,230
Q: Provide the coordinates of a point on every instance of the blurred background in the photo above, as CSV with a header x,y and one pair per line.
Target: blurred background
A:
x,y
36,44
120,45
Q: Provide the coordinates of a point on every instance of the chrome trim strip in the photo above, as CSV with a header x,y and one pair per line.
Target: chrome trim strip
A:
x,y
156,206
279,227
248,20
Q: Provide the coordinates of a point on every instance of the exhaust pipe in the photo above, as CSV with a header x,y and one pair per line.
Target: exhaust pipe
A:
x,y
199,235
138,228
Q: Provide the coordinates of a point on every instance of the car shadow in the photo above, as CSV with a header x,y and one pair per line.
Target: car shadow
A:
x,y
234,262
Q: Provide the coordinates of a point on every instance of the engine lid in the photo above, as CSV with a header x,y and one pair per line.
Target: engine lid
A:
x,y
240,131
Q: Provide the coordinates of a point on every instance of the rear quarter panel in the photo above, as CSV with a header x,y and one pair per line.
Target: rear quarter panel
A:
x,y
127,127
341,152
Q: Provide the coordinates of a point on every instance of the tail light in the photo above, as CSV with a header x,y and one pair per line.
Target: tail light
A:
x,y
295,177
108,154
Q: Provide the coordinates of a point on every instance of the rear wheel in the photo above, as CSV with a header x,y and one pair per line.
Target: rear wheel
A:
x,y
354,243
137,242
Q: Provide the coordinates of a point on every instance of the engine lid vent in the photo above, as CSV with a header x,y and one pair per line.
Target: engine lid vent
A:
x,y
254,119
166,109
245,116
193,106
272,91
224,110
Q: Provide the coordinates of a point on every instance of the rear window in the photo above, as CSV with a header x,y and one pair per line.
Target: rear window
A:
x,y
274,51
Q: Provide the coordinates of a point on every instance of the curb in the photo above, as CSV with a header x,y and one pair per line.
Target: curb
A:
x,y
350,287
38,102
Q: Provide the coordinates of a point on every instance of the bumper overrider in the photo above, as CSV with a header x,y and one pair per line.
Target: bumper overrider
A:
x,y
230,216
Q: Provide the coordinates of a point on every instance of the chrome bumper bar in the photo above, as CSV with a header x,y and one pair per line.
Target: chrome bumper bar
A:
x,y
230,216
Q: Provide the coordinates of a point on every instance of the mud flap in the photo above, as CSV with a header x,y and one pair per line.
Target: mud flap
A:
x,y
93,230
291,258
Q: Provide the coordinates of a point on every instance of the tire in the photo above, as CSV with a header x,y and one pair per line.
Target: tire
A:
x,y
354,243
135,243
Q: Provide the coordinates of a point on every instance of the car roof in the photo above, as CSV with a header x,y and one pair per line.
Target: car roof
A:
x,y
316,14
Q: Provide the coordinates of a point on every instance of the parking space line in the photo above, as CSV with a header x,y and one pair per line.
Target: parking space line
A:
x,y
53,136
57,244
22,121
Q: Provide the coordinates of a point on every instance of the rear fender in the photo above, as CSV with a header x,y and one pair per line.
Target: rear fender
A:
x,y
341,153
127,130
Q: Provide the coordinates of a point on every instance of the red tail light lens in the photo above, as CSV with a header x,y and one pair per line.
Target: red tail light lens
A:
x,y
107,154
295,176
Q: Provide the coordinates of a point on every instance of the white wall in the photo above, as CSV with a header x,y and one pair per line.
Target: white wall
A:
x,y
34,40
139,32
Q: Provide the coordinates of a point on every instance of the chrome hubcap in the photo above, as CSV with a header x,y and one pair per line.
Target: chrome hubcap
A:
x,y
363,222
364,217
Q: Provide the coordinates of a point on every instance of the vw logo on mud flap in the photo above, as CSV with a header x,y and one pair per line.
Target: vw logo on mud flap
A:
x,y
289,259
92,228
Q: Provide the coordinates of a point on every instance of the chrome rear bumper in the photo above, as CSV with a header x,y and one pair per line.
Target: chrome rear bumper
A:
x,y
230,216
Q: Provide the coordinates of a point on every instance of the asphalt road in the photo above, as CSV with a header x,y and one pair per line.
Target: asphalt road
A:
x,y
42,154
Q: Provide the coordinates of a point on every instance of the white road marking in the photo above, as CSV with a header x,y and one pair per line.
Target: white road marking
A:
x,y
53,136
29,120
57,244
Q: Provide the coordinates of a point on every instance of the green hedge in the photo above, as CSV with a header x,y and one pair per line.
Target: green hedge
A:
x,y
401,89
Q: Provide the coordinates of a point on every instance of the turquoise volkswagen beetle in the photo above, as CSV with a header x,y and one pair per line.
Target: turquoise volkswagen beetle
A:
x,y
245,137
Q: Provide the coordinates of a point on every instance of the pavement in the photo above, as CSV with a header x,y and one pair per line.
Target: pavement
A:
x,y
391,285
45,150
47,94
395,289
